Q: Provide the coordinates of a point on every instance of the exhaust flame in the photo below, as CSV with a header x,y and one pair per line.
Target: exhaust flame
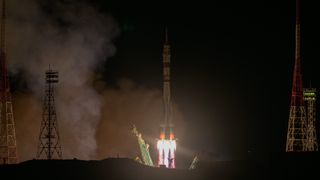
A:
x,y
167,149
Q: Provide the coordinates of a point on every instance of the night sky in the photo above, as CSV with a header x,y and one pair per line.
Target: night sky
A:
x,y
231,65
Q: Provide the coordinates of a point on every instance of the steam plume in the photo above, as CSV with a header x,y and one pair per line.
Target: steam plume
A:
x,y
74,38
94,119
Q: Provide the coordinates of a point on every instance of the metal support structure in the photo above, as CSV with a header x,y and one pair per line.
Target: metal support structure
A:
x,y
297,125
194,162
144,148
8,144
309,95
49,146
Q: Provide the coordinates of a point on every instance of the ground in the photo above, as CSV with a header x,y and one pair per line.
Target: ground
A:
x,y
276,166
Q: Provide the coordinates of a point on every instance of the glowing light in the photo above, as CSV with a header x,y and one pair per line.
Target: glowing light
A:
x,y
171,136
162,136
167,149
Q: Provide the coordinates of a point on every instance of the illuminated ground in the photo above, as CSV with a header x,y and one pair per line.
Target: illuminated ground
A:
x,y
292,166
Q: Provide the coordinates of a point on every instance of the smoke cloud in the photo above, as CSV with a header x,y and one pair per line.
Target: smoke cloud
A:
x,y
94,120
73,38
129,104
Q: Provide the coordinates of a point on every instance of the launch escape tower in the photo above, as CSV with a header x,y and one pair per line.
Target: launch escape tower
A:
x,y
8,144
309,95
49,146
166,145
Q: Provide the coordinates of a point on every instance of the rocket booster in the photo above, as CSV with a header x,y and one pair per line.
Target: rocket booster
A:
x,y
166,145
166,125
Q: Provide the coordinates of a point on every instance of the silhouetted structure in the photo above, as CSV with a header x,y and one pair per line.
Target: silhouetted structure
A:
x,y
49,140
309,95
8,144
297,126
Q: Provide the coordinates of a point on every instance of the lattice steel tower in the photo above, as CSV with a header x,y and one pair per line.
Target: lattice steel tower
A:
x,y
8,144
297,125
49,146
309,95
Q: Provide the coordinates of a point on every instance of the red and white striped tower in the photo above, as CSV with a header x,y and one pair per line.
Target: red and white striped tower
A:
x,y
297,125
8,150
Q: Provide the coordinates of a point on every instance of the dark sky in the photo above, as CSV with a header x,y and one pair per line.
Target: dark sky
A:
x,y
232,65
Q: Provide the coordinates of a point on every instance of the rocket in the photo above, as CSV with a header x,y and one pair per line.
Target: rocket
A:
x,y
166,125
166,145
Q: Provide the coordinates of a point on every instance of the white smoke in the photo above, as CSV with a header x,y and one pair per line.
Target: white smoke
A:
x,y
72,38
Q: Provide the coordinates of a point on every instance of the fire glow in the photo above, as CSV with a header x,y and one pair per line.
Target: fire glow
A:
x,y
167,149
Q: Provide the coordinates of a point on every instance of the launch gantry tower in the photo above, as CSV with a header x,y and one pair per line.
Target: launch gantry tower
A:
x,y
49,146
